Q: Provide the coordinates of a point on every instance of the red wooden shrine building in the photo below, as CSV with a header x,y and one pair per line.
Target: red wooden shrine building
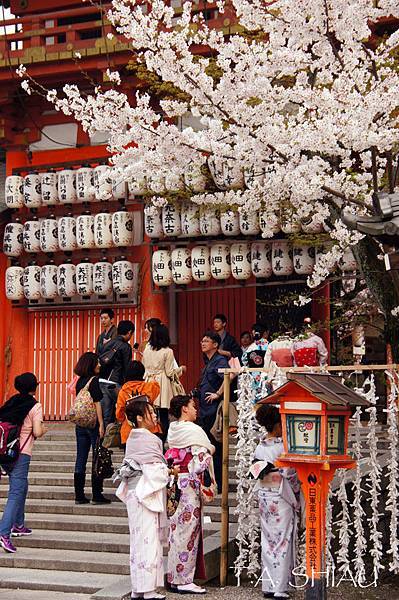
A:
x,y
44,36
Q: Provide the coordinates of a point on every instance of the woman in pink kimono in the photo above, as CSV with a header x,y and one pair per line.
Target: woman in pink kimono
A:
x,y
144,475
190,450
278,494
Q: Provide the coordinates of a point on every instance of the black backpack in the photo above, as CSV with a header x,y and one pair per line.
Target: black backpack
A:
x,y
107,358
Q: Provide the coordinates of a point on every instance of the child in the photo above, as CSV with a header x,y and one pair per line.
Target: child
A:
x,y
278,491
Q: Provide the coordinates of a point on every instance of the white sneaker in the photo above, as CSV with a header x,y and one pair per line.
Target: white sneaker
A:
x,y
190,588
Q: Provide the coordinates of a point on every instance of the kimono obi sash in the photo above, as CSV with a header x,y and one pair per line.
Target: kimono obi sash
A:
x,y
282,357
306,357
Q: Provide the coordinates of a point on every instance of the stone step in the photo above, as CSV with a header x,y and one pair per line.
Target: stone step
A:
x,y
59,506
74,522
86,541
53,581
62,456
9,594
76,561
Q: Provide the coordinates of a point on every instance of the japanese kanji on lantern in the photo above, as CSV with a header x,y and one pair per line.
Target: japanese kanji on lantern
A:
x,y
119,186
85,184
13,239
49,188
14,191
32,190
15,283
153,222
249,222
85,231
171,223
201,263
240,256
137,185
102,278
66,280
181,266
194,178
261,259
31,236
67,186
190,226
123,277
84,279
269,223
31,280
102,182
48,282
122,228
209,222
230,223
67,234
49,234
162,268
304,259
220,261
282,258
290,223
103,230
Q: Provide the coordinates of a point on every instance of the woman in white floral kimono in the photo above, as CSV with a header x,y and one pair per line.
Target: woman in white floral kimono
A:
x,y
190,450
278,493
144,476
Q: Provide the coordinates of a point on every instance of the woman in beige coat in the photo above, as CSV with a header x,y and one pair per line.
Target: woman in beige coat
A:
x,y
160,366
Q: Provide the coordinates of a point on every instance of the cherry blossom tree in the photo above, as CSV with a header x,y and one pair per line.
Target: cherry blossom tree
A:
x,y
298,110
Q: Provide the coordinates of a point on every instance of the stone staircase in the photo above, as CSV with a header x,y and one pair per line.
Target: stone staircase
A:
x,y
78,551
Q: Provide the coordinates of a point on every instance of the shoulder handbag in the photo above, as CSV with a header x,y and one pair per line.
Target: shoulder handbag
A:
x,y
83,411
107,357
173,493
177,386
208,489
102,461
112,437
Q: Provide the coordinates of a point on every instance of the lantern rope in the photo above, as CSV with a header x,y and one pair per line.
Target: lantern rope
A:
x,y
393,472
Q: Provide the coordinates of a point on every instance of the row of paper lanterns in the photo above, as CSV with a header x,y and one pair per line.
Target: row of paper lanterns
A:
x,y
69,233
68,280
190,220
240,260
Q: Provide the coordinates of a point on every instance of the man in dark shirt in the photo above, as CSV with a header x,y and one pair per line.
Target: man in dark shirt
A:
x,y
211,393
112,374
109,331
229,347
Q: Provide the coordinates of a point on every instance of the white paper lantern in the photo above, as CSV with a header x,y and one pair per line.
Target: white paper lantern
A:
x,y
230,223
67,186
32,282
13,239
32,190
156,183
49,235
174,182
14,191
67,234
102,278
31,236
226,174
15,283
102,182
84,279
103,230
304,259
122,228
261,259
254,175
49,188
240,256
269,223
194,178
220,261
162,268
348,261
190,226
119,186
137,185
282,259
249,222
201,263
209,222
48,281
181,266
123,276
66,280
85,184
289,222
153,221
85,231
171,222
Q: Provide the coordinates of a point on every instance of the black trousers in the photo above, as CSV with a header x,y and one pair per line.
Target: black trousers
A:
x,y
207,422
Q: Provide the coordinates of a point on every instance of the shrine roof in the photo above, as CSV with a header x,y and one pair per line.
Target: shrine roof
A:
x,y
325,387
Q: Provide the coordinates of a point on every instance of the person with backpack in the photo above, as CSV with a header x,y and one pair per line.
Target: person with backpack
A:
x,y
114,363
88,368
25,413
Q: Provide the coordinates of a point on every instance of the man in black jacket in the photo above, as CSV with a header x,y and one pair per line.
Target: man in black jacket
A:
x,y
114,362
229,347
109,331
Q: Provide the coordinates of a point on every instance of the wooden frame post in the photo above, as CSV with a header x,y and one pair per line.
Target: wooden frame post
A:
x,y
224,541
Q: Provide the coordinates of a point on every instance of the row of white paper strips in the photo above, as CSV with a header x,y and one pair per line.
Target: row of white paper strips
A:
x,y
190,220
68,233
241,260
67,280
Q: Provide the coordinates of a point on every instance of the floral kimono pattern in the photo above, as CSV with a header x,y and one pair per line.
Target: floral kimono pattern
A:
x,y
185,559
260,385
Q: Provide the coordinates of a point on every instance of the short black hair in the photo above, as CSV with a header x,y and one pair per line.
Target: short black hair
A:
x,y
124,327
212,335
260,328
268,416
177,403
86,364
107,311
26,383
152,322
135,371
159,337
245,333
221,317
136,407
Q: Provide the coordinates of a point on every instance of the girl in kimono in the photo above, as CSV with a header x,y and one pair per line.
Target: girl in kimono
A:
x,y
190,450
278,494
144,476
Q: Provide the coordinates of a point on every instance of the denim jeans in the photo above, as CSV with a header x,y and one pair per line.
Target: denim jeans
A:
x,y
14,512
108,402
85,438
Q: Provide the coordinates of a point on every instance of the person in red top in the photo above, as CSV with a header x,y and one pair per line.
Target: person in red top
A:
x,y
24,410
